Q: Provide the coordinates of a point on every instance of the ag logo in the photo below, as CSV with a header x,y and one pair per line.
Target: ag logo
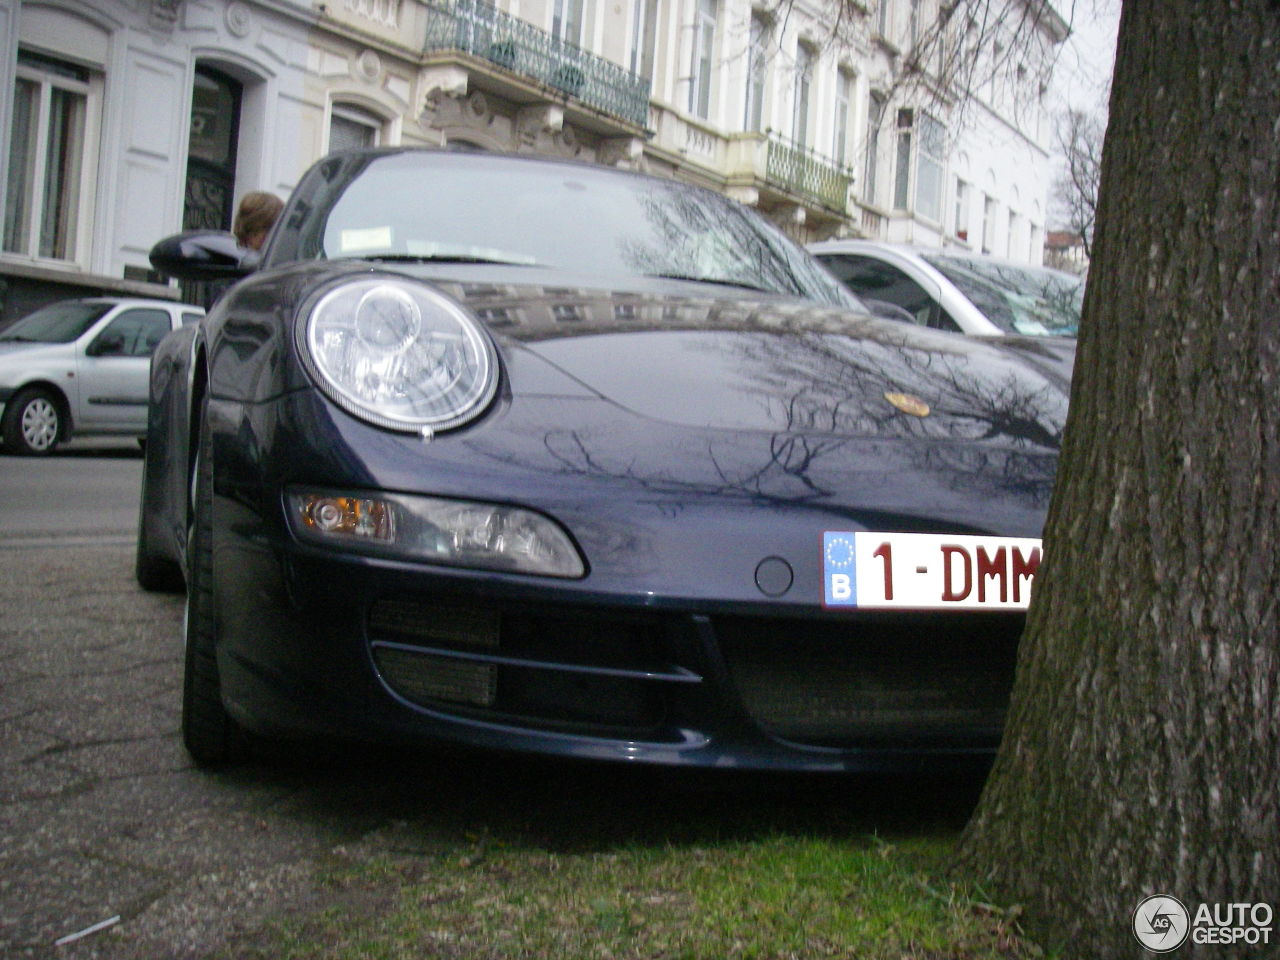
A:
x,y
1161,923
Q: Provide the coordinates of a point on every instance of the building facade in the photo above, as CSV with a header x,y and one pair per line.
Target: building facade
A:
x,y
128,120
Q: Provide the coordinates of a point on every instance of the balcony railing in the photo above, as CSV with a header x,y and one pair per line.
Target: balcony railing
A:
x,y
807,173
518,47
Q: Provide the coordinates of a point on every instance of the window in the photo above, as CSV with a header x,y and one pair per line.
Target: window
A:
x,y
961,225
875,117
704,45
902,163
929,167
567,313
844,103
922,140
988,224
756,64
212,145
644,31
48,154
804,81
883,18
135,333
59,322
914,28
878,283
496,316
1011,239
351,128
566,20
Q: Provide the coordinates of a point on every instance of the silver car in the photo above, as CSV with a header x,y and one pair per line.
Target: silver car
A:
x,y
81,367
955,290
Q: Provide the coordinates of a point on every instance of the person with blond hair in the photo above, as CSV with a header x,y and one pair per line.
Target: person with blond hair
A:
x,y
254,217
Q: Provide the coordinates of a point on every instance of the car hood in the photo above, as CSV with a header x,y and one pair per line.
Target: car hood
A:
x,y
10,348
18,355
776,366
765,417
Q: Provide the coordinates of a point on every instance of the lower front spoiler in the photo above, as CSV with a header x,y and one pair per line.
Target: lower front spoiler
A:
x,y
269,708
333,647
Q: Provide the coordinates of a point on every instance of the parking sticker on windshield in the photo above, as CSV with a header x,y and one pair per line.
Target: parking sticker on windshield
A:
x,y
369,238
925,571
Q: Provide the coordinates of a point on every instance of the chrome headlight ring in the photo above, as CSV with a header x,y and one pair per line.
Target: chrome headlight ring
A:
x,y
396,353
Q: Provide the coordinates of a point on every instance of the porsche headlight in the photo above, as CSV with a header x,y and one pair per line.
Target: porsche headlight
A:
x,y
398,354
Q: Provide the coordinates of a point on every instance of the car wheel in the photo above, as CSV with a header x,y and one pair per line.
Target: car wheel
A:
x,y
209,733
32,422
154,573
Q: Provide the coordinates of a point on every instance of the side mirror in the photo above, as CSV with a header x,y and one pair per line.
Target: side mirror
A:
x,y
107,345
203,255
888,311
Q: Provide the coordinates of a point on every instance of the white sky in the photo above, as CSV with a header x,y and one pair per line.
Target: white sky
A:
x,y
1083,72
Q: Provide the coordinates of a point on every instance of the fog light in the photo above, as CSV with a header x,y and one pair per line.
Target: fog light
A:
x,y
455,532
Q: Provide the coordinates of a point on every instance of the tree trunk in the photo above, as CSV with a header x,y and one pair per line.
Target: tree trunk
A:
x,y
1142,751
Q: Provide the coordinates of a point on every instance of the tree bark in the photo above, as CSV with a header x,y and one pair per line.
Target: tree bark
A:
x,y
1142,750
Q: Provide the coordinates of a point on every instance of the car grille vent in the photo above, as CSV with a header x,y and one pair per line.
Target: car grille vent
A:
x,y
446,624
919,680
601,675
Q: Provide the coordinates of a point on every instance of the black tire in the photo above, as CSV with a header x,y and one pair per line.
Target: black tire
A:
x,y
33,422
209,733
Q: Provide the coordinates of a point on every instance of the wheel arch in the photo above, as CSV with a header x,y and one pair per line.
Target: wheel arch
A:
x,y
65,416
199,387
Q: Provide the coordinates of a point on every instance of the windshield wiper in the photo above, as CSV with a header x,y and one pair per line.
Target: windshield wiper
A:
x,y
445,258
719,281
16,339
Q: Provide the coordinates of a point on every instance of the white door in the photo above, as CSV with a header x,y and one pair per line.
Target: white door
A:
x,y
115,368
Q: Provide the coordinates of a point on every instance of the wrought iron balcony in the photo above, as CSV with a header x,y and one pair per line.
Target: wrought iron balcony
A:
x,y
808,173
518,47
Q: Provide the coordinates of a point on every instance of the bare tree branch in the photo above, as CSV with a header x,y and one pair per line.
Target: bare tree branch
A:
x,y
1079,137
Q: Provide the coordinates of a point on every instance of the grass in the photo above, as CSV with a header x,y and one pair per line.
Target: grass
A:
x,y
590,870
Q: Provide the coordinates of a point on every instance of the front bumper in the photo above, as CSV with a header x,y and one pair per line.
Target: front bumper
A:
x,y
348,648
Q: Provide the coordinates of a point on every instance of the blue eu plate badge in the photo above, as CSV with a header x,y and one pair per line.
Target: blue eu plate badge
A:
x,y
838,570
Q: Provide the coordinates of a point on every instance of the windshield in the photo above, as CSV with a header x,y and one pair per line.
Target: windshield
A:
x,y
56,323
1033,301
471,208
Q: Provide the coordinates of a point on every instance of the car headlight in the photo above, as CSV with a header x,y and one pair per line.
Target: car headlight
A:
x,y
398,354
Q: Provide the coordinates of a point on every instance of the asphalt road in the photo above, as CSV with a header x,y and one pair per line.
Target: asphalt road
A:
x,y
109,835
88,488
103,819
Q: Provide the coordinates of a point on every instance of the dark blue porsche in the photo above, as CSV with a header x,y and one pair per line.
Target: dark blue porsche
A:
x,y
530,455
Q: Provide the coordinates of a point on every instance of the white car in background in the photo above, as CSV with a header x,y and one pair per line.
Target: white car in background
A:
x,y
955,290
81,367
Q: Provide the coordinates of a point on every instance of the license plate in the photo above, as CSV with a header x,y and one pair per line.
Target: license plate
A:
x,y
926,571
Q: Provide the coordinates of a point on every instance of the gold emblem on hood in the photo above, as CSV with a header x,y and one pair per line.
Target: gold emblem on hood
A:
x,y
908,403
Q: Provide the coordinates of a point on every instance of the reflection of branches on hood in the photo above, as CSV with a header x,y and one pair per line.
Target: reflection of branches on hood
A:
x,y
983,472
1005,399
788,458
790,470
840,385
1008,407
